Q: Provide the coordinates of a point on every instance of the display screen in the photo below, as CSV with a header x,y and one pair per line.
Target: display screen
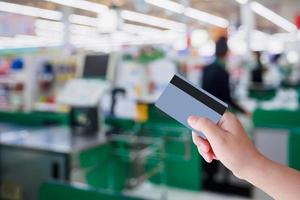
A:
x,y
95,66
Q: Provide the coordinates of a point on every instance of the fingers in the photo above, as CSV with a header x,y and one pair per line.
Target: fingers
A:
x,y
203,147
212,132
230,123
227,117
201,143
207,156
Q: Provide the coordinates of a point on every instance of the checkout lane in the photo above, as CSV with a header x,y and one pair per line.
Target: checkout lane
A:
x,y
60,144
31,155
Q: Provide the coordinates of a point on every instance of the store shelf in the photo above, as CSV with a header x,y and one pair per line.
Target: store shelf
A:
x,y
12,79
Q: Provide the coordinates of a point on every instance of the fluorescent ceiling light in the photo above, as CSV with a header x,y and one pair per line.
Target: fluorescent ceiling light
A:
x,y
83,30
143,30
168,5
49,25
242,1
153,21
30,11
273,17
83,20
26,41
191,12
206,17
82,4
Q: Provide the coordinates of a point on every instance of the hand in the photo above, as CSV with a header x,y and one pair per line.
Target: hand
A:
x,y
226,142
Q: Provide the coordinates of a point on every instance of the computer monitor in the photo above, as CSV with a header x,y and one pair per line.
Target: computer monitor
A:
x,y
96,66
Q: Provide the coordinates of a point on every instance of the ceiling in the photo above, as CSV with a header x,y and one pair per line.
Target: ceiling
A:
x,y
228,9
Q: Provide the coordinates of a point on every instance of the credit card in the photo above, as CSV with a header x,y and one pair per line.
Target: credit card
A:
x,y
182,99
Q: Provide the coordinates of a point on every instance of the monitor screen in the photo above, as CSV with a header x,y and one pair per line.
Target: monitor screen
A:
x,y
95,66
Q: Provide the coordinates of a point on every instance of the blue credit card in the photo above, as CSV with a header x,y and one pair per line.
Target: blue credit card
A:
x,y
182,99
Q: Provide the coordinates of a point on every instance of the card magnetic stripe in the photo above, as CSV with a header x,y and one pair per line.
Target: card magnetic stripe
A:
x,y
212,103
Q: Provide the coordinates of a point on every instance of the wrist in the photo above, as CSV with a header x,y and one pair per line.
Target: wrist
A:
x,y
255,167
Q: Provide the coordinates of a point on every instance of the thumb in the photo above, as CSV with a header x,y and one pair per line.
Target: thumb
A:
x,y
213,133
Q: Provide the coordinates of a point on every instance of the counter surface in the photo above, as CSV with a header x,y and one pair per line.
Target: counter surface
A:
x,y
57,139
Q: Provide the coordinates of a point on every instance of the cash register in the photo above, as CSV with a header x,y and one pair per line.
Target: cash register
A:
x,y
84,94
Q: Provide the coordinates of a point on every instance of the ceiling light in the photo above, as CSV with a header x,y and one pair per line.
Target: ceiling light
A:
x,y
143,30
153,21
49,25
83,30
168,5
191,12
293,57
82,4
206,17
108,22
30,11
199,37
83,20
273,17
242,1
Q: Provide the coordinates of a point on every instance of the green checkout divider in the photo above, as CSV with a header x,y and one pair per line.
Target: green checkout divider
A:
x,y
182,163
60,191
103,169
276,118
294,149
109,166
283,119
182,166
262,94
35,118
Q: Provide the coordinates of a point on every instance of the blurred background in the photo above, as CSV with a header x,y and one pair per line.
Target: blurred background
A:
x,y
79,79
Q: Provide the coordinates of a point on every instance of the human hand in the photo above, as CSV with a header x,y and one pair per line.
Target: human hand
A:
x,y
227,142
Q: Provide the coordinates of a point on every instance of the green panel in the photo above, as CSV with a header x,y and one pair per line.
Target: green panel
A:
x,y
121,123
103,169
160,129
298,91
111,175
58,191
262,94
182,167
35,118
183,173
95,156
155,115
179,171
294,149
276,118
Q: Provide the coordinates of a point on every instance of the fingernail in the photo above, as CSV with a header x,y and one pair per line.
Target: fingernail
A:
x,y
192,120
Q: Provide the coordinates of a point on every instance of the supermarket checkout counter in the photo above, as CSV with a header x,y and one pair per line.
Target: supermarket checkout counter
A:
x,y
277,135
32,155
276,123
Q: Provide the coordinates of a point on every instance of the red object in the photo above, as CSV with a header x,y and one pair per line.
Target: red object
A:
x,y
188,41
5,67
297,21
50,100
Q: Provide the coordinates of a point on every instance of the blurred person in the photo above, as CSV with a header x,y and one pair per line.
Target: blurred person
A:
x,y
274,75
229,143
216,79
258,71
